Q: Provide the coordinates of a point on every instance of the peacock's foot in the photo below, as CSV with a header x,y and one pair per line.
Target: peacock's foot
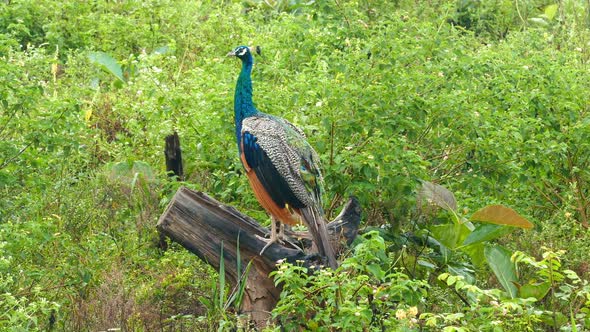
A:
x,y
279,237
273,238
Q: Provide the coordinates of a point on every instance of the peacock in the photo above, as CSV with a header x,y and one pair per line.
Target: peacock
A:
x,y
282,167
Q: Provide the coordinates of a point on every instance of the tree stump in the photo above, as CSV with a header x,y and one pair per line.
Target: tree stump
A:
x,y
173,155
201,225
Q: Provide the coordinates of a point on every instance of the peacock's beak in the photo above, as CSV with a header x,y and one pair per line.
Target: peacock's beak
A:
x,y
232,53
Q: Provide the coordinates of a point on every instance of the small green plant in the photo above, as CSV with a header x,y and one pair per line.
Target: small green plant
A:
x,y
27,311
490,310
366,292
448,242
564,295
220,303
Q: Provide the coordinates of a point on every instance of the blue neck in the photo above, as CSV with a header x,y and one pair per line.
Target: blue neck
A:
x,y
243,106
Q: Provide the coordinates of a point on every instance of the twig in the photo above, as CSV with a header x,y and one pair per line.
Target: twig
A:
x,y
7,122
540,191
460,296
519,14
9,160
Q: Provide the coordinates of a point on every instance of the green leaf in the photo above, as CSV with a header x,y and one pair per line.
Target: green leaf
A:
x,y
498,259
437,195
486,232
451,280
426,264
550,11
243,284
450,235
554,318
206,302
107,63
446,234
475,252
539,21
458,270
238,257
538,291
238,293
501,215
376,270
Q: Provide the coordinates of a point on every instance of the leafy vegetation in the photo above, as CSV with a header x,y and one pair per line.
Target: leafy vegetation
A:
x,y
405,103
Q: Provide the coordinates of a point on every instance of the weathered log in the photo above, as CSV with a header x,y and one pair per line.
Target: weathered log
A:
x,y
201,224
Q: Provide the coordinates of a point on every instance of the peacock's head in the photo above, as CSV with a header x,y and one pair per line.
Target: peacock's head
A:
x,y
242,52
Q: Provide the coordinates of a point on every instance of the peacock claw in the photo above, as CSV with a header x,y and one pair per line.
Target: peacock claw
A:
x,y
270,241
274,236
279,237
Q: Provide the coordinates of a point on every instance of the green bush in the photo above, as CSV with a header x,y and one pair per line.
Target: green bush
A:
x,y
367,293
364,293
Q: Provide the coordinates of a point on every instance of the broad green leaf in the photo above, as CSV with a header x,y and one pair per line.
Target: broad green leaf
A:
x,y
498,259
467,224
475,252
539,21
550,11
501,215
426,264
465,272
376,270
537,291
447,234
437,195
450,235
486,232
444,250
451,280
107,63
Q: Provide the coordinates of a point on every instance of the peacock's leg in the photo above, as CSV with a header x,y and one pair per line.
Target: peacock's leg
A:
x,y
278,236
282,231
274,237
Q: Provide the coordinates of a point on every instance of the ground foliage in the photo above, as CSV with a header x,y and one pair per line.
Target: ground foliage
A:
x,y
486,98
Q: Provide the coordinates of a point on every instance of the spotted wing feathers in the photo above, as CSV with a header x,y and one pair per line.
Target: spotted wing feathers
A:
x,y
287,167
274,183
285,148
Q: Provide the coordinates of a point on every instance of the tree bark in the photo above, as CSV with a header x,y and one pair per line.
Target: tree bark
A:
x,y
202,225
